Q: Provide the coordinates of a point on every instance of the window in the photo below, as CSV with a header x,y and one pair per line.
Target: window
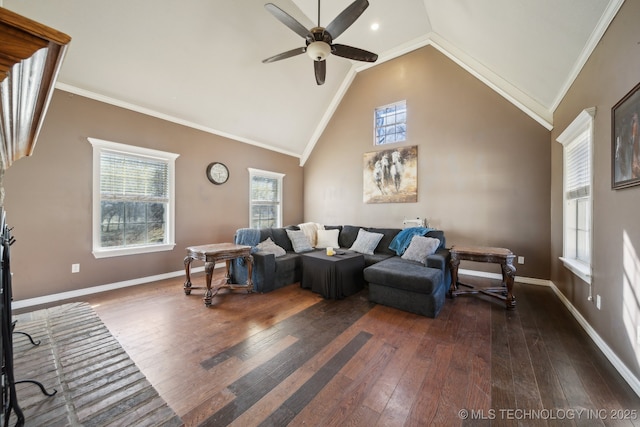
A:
x,y
265,199
390,123
133,199
577,141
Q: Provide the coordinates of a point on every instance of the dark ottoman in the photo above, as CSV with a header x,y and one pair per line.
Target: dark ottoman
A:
x,y
406,285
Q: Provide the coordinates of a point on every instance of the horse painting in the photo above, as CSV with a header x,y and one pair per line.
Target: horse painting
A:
x,y
390,176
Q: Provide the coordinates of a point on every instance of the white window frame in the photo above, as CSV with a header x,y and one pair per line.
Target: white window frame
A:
x,y
376,141
581,127
271,175
100,146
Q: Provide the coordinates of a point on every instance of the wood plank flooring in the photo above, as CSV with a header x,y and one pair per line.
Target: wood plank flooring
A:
x,y
291,358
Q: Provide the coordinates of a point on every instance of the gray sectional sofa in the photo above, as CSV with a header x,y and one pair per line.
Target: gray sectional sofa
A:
x,y
392,280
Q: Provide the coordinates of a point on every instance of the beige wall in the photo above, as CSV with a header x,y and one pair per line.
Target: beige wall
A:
x,y
483,165
48,195
611,72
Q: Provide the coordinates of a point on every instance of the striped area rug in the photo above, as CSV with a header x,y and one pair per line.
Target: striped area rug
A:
x,y
97,383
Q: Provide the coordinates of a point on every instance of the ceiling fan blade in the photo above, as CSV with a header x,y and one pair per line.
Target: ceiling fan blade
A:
x,y
285,55
346,18
288,20
353,53
320,68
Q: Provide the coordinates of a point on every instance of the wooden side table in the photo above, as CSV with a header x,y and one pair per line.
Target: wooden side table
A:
x,y
211,254
501,256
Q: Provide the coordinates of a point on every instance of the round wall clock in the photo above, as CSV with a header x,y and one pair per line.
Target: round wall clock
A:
x,y
217,173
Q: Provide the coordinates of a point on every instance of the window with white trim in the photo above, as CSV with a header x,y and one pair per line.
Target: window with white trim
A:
x,y
577,141
265,199
390,123
133,199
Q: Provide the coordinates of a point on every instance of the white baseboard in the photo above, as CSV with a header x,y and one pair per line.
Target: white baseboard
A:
x,y
626,373
48,299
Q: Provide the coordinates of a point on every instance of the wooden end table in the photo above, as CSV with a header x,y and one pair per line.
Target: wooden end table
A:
x,y
501,256
211,254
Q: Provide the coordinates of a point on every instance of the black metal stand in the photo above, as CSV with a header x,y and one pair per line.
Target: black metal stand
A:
x,y
13,328
9,397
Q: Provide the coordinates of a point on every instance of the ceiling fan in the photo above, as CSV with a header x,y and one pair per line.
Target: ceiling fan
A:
x,y
319,40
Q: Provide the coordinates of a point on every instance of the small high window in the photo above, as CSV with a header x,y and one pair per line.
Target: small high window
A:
x,y
390,123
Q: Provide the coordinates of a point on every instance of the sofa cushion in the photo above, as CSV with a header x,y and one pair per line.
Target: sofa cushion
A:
x,y
366,242
420,248
327,239
403,274
280,238
370,259
299,241
348,235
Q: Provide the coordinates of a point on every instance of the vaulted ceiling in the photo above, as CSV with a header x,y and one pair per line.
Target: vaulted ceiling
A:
x,y
198,62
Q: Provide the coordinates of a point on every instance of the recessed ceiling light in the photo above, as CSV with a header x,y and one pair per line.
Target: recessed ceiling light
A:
x,y
375,26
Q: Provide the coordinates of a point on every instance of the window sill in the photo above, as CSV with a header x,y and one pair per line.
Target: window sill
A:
x,y
133,250
580,269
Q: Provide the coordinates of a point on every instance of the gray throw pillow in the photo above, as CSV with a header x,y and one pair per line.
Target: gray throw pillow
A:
x,y
299,241
366,242
420,248
269,247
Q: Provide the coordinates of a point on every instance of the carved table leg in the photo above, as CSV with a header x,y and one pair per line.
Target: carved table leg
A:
x,y
208,295
228,275
454,263
508,274
249,261
187,270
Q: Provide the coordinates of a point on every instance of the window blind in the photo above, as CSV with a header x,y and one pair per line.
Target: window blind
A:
x,y
131,178
578,167
264,189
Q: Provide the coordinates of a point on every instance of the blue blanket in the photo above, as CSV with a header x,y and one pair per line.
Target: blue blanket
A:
x,y
247,237
401,242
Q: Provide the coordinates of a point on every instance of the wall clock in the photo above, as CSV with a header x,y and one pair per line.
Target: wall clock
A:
x,y
217,173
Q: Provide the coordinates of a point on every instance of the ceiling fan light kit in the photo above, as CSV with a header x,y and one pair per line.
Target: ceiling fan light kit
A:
x,y
319,39
318,51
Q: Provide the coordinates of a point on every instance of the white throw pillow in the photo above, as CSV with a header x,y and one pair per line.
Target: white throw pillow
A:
x,y
420,248
299,241
328,239
269,247
366,242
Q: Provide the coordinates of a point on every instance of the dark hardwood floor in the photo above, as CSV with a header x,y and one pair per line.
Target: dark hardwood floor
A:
x,y
291,358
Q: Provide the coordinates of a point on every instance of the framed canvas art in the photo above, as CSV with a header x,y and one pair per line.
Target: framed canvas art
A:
x,y
391,176
625,140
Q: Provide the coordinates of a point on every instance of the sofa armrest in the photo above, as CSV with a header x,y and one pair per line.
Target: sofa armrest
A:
x,y
264,271
264,267
440,259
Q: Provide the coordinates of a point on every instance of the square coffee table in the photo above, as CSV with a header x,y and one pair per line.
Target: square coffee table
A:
x,y
333,277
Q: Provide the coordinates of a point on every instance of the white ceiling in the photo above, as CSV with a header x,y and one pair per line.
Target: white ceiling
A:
x,y
198,62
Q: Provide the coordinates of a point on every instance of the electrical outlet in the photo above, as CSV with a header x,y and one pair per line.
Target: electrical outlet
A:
x,y
75,268
598,302
520,260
